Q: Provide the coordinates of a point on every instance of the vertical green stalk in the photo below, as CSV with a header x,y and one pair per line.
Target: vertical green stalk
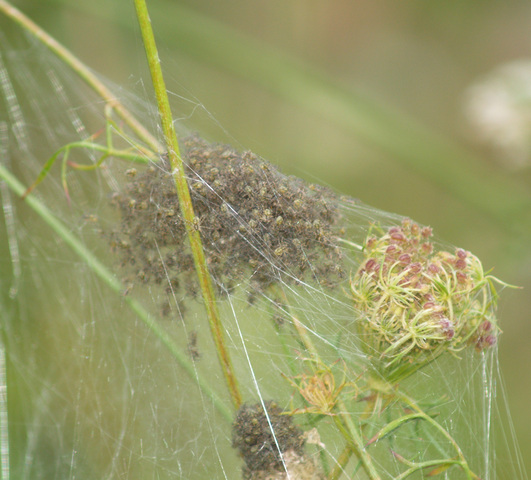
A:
x,y
185,200
111,103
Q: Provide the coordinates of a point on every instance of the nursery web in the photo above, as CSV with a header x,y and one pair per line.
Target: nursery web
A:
x,y
115,375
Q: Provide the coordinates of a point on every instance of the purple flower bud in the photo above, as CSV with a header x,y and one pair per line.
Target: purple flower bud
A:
x,y
404,259
398,237
432,268
486,326
485,342
460,264
370,264
370,243
415,267
447,327
392,249
461,277
461,253
427,248
427,232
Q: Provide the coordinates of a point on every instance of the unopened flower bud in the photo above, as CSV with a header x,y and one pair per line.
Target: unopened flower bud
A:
x,y
447,327
461,253
392,249
460,264
427,232
427,248
404,259
461,277
433,268
486,326
398,237
370,264
415,267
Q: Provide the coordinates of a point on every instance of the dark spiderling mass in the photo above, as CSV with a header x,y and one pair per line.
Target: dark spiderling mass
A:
x,y
255,223
251,435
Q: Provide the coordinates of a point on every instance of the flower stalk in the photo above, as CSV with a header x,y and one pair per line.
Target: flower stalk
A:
x,y
185,201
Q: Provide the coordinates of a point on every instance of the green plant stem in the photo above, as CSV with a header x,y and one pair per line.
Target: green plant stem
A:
x,y
356,441
341,463
185,200
83,71
110,280
421,414
347,427
379,386
423,465
87,145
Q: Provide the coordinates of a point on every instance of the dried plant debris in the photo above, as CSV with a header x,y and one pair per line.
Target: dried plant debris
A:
x,y
252,435
256,224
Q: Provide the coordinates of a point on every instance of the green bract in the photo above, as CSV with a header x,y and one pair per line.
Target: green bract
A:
x,y
416,303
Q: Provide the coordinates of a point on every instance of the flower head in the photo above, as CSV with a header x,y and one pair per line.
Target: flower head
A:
x,y
415,302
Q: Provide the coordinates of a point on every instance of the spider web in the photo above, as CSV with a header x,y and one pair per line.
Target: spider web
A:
x,y
95,390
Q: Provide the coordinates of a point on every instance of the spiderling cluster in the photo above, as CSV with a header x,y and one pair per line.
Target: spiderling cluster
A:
x,y
255,223
252,436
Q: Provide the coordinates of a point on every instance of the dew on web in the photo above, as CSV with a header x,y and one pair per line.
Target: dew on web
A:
x,y
362,348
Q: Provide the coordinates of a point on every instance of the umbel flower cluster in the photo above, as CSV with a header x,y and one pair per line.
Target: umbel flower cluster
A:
x,y
416,303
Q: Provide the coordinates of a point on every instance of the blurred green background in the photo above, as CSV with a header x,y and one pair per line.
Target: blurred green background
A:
x,y
368,97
